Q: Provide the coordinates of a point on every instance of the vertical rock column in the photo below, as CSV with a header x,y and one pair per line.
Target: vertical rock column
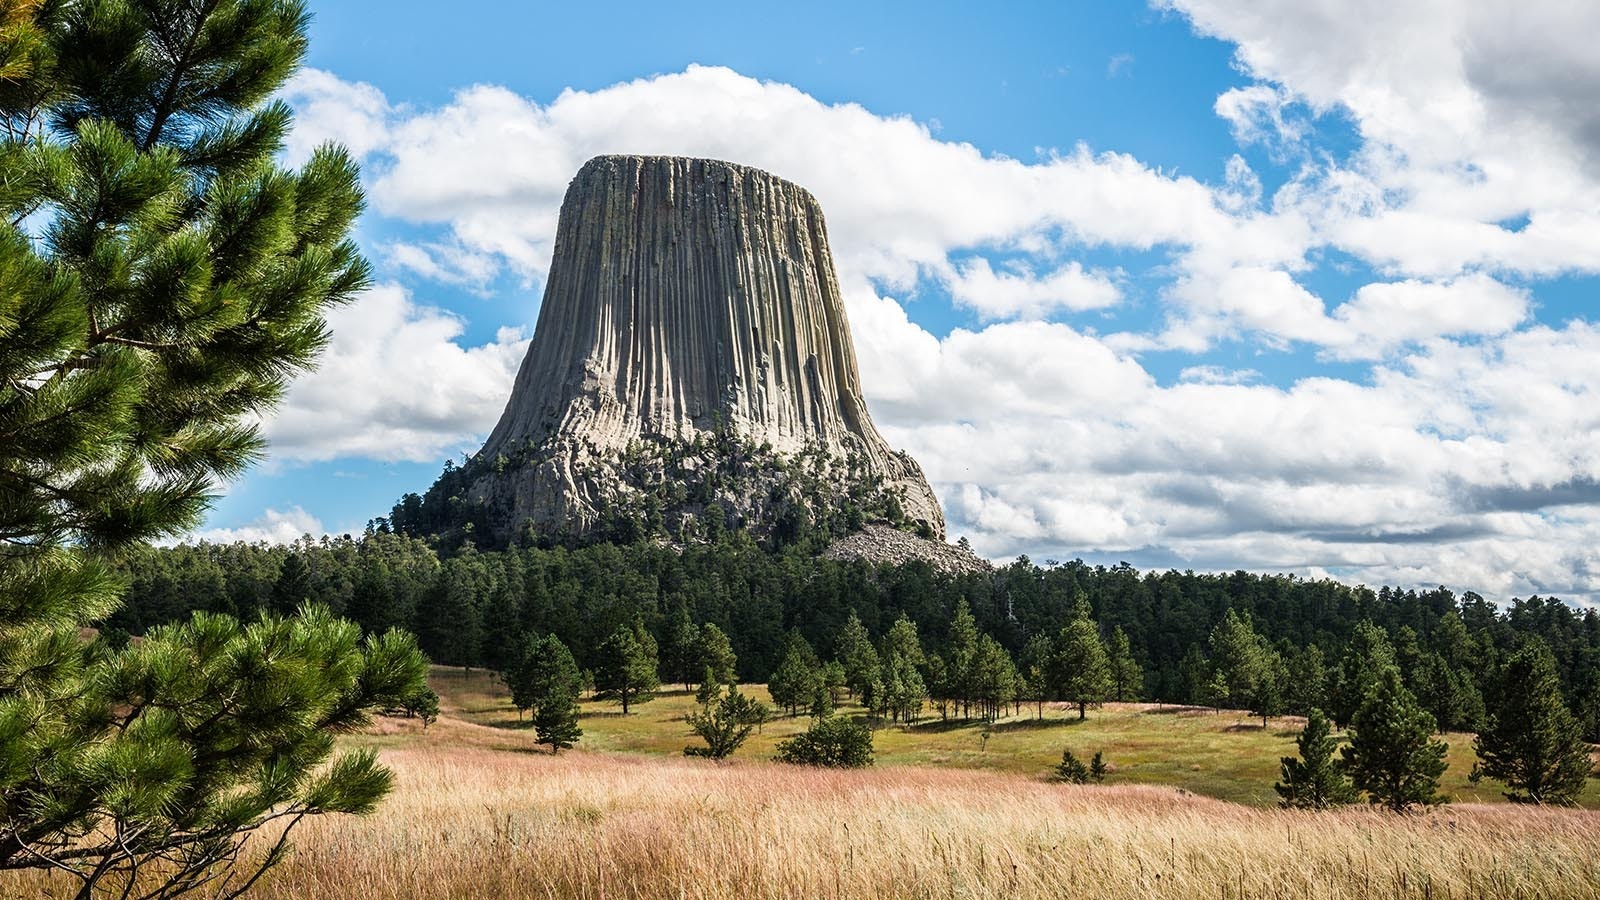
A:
x,y
684,292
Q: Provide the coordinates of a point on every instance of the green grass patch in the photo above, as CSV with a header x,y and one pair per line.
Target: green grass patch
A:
x,y
1226,754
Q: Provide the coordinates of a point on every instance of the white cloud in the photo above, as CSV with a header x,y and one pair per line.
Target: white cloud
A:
x,y
1016,291
493,167
1470,114
1471,464
329,109
396,383
1467,455
1384,315
273,527
1259,114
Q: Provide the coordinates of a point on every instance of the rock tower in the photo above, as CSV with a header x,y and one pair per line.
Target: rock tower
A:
x,y
691,350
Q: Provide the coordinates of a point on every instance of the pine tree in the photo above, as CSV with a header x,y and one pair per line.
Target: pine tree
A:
x,y
1532,742
1392,755
179,282
710,688
556,685
1080,670
293,586
855,652
1071,770
1033,682
993,678
715,653
960,676
1097,767
1127,678
725,722
1315,780
520,677
793,684
627,672
904,689
1367,656
834,742
1307,687
1250,672
680,653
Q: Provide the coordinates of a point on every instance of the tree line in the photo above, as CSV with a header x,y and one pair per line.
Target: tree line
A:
x,y
1024,632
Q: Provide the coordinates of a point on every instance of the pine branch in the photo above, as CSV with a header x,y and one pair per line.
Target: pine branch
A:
x,y
181,64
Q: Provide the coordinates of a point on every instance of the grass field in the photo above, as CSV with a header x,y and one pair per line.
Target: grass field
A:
x,y
1226,755
480,812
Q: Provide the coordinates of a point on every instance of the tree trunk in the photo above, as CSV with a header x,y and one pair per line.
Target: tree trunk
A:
x,y
1082,707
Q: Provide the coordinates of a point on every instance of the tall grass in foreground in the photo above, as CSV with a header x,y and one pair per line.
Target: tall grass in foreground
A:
x,y
477,813
471,822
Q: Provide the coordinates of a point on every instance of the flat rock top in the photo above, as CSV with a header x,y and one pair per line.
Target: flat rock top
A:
x,y
882,545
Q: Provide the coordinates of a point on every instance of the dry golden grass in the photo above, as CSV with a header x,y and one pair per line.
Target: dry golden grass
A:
x,y
491,824
479,813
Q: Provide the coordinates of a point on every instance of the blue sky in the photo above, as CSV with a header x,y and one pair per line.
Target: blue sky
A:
x,y
1282,286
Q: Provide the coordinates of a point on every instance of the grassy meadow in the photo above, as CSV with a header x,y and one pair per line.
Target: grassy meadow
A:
x,y
1226,755
479,811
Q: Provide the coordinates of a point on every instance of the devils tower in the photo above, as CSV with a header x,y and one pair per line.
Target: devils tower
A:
x,y
691,358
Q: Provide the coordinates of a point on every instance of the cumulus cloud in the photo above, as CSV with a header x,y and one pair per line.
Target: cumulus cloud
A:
x,y
1471,114
1016,290
395,384
330,109
1443,470
273,527
1463,453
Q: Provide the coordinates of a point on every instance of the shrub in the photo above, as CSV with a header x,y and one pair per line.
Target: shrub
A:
x,y
835,742
1071,770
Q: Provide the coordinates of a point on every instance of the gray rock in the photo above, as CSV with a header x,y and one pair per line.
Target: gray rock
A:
x,y
687,298
887,546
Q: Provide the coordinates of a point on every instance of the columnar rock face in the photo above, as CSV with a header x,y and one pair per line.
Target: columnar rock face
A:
x,y
687,298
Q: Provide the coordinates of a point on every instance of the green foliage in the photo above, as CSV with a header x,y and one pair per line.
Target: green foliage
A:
x,y
1533,743
1247,672
901,691
1307,685
1392,755
724,722
856,653
1097,767
582,595
1071,770
1080,669
992,678
680,654
1127,678
821,700
422,704
627,672
796,680
715,652
833,742
1366,657
1315,780
162,278
556,687
710,688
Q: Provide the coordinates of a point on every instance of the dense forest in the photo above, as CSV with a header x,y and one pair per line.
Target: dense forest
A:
x,y
1187,634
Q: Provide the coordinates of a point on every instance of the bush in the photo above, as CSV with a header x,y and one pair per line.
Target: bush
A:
x,y
1097,767
1071,770
835,742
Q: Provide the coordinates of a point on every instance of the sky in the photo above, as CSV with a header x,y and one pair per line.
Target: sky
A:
x,y
1287,286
